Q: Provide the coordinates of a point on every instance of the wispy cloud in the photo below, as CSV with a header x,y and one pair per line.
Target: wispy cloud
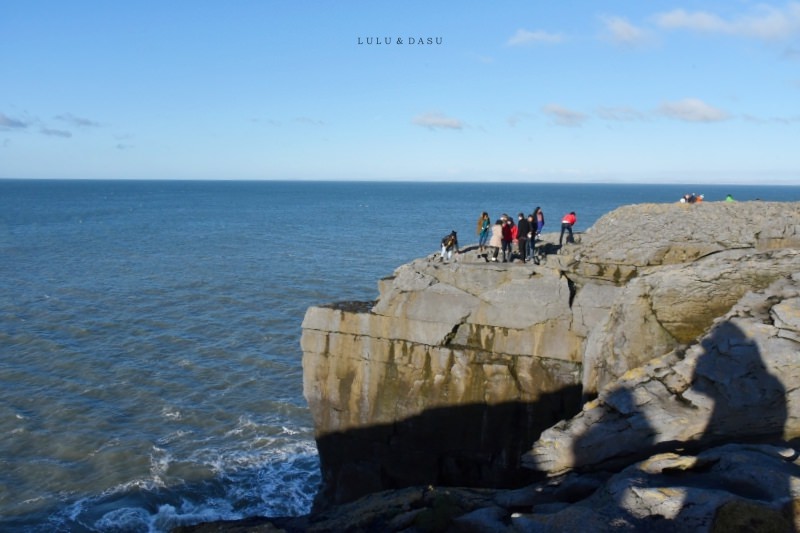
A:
x,y
80,122
620,31
523,37
563,116
56,133
765,22
438,121
692,110
786,120
9,123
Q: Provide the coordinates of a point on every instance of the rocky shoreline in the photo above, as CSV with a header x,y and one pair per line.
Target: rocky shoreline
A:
x,y
645,378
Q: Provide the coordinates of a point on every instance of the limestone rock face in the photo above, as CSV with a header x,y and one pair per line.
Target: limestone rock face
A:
x,y
457,368
448,379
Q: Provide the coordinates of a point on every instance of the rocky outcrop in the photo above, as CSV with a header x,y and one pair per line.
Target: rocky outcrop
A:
x,y
453,373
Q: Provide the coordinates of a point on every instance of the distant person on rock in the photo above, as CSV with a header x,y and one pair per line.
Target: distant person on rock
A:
x,y
567,222
484,222
449,243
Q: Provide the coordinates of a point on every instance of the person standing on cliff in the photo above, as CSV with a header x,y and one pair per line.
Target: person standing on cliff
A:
x,y
497,239
523,231
567,222
484,222
530,251
538,216
508,239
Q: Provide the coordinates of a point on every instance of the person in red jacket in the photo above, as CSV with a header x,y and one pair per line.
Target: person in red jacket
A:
x,y
567,222
508,238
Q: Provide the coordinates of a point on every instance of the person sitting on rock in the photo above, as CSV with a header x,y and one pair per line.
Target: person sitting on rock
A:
x,y
449,243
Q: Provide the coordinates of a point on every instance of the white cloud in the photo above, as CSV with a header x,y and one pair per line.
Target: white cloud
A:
x,y
767,22
692,110
563,116
437,120
622,32
523,37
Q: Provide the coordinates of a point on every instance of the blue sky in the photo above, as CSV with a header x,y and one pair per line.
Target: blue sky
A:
x,y
516,91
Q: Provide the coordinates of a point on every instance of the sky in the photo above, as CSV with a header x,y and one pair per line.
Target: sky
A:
x,y
506,91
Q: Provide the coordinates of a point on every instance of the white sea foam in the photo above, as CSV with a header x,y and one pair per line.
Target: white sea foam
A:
x,y
276,481
171,413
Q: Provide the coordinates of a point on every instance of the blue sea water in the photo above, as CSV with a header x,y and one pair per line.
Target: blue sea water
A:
x,y
150,367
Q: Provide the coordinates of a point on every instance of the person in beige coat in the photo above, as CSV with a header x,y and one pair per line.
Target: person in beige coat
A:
x,y
497,240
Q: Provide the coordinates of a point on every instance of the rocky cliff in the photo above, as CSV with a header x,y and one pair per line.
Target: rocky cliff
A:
x,y
643,379
454,372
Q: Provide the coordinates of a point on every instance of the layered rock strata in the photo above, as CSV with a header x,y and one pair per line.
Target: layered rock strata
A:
x,y
453,373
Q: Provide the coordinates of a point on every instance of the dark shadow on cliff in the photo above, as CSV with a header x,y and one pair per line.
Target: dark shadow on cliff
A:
x,y
476,445
749,406
748,400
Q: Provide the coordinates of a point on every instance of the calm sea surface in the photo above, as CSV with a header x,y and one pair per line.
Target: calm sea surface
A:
x,y
149,331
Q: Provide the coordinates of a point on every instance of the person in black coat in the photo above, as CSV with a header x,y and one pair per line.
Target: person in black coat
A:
x,y
523,229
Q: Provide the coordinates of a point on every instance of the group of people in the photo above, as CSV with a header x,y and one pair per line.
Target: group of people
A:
x,y
514,240
505,232
693,198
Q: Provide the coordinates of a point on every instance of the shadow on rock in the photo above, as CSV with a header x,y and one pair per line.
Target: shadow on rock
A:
x,y
475,445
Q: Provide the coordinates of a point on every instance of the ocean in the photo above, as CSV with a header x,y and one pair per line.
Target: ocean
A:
x,y
150,363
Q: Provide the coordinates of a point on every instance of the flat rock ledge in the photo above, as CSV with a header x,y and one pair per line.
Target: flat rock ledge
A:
x,y
643,379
